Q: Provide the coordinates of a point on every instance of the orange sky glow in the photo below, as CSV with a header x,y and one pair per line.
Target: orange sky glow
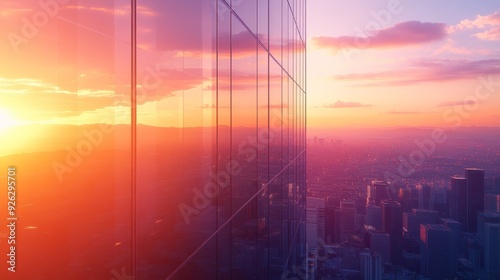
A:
x,y
389,65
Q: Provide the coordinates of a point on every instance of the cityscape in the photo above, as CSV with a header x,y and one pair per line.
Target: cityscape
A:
x,y
250,139
441,222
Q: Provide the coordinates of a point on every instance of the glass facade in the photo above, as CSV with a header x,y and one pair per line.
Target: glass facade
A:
x,y
170,137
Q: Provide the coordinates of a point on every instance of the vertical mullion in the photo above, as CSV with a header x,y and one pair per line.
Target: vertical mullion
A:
x,y
218,199
133,124
231,199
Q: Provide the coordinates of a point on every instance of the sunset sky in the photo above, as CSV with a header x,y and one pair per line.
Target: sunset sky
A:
x,y
370,64
402,63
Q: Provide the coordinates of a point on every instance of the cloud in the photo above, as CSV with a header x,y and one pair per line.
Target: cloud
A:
x,y
243,44
437,70
212,106
451,47
478,22
457,103
156,84
490,24
37,99
402,34
13,8
403,112
343,104
122,11
490,35
243,81
274,106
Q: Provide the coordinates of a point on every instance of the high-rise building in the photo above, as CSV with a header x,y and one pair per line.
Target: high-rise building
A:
x,y
456,231
492,251
392,223
484,218
492,203
366,265
338,227
331,204
187,122
412,220
475,196
378,267
226,174
380,243
377,191
437,252
370,265
348,208
404,197
439,202
458,200
373,216
343,221
424,195
315,222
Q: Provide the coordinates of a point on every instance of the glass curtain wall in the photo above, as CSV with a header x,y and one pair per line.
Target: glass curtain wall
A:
x,y
206,182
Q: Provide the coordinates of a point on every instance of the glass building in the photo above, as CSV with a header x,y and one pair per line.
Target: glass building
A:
x,y
168,137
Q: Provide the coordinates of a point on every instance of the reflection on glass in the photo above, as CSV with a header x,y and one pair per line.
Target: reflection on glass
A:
x,y
220,138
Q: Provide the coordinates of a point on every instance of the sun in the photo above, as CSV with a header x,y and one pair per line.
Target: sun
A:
x,y
6,120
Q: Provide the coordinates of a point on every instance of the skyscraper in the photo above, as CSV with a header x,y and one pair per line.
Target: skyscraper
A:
x,y
377,191
475,196
404,197
492,251
366,264
424,195
331,204
437,251
373,216
191,116
458,199
348,208
492,203
439,201
371,265
315,225
392,219
380,243
226,175
484,218
412,220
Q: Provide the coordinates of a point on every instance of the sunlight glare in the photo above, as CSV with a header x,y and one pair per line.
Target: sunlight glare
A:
x,y
6,120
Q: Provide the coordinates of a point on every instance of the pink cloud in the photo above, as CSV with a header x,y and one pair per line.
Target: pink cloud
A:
x,y
492,34
343,104
490,24
213,106
14,8
243,44
479,22
402,34
403,113
125,10
243,81
451,47
438,70
457,103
